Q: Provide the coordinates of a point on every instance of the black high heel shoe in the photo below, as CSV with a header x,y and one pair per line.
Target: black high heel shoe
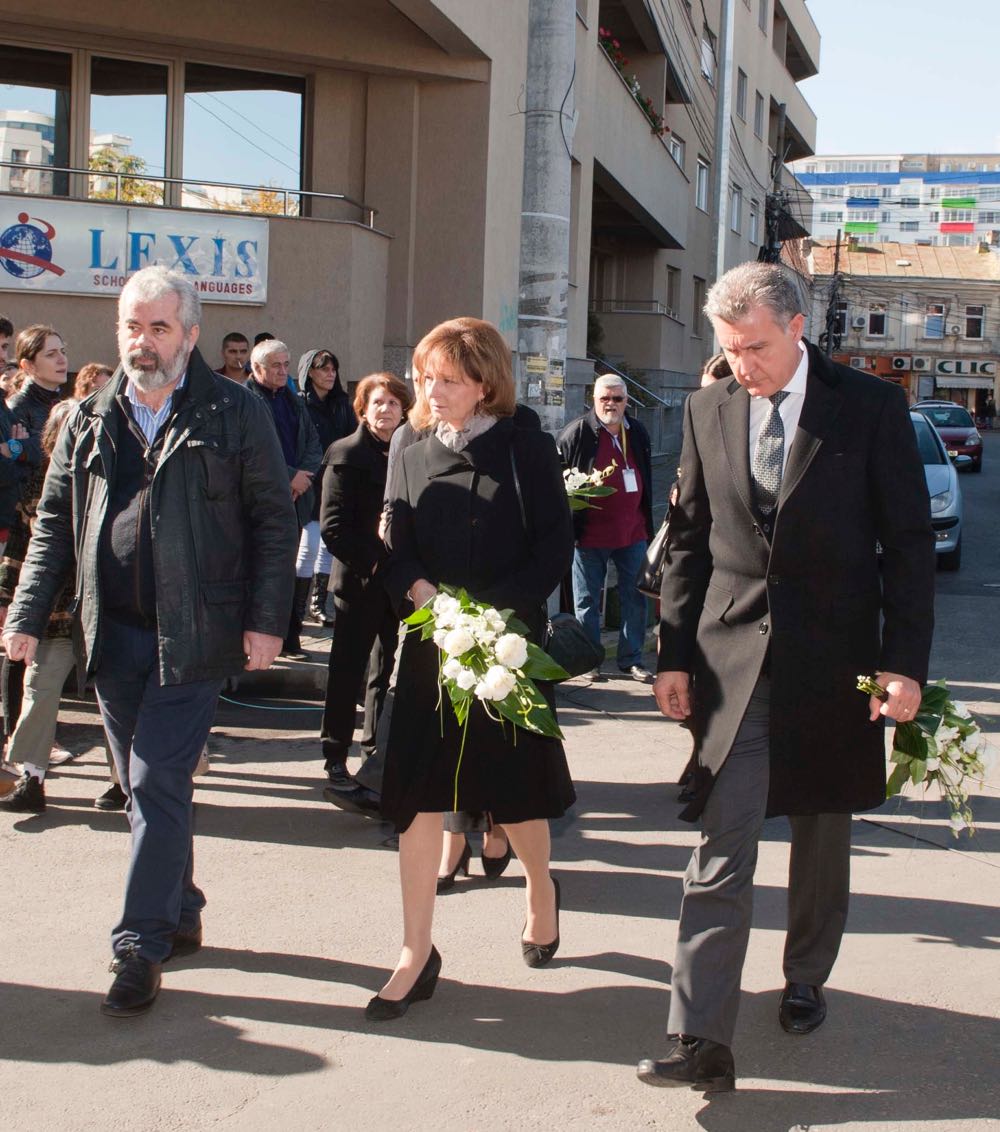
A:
x,y
494,867
385,1009
538,954
448,881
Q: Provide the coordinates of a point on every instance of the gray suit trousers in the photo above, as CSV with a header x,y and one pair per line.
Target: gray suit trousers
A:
x,y
717,907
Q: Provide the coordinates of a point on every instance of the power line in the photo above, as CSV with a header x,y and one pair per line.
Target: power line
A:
x,y
260,129
249,141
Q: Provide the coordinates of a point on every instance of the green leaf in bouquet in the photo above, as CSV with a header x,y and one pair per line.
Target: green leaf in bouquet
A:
x,y
928,722
541,666
935,699
901,758
577,504
897,780
918,770
600,492
911,740
419,616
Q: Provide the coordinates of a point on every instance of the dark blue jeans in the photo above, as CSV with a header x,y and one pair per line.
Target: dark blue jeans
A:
x,y
156,735
590,568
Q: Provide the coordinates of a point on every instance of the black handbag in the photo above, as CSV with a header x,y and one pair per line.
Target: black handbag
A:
x,y
651,571
566,640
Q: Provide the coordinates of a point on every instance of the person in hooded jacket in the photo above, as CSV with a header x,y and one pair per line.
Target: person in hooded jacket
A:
x,y
331,413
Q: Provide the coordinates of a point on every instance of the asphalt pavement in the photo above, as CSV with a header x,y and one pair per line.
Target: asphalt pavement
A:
x,y
264,1028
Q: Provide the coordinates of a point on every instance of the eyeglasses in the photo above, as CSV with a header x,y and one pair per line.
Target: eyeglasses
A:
x,y
616,400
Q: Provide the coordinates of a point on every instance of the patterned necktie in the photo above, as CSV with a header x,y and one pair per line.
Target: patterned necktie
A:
x,y
769,457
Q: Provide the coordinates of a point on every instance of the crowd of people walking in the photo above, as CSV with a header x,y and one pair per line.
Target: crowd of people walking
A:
x,y
169,525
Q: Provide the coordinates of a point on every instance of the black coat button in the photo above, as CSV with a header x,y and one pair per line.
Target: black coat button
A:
x,y
762,628
773,579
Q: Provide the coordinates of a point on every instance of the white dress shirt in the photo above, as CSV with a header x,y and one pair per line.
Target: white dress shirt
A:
x,y
790,408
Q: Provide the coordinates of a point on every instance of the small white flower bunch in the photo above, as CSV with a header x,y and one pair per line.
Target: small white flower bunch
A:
x,y
942,746
485,657
582,487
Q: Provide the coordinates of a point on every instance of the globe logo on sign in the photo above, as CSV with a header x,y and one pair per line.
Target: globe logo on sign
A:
x,y
26,248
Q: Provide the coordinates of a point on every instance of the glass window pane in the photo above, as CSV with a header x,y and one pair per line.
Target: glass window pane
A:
x,y
242,128
128,128
34,119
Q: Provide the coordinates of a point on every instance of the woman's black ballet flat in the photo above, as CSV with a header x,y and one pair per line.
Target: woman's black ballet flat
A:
x,y
538,954
494,867
446,882
384,1010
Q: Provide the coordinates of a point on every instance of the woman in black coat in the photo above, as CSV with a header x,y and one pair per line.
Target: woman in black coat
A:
x,y
354,473
456,519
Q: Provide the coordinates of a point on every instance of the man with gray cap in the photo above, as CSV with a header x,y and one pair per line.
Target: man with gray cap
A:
x,y
167,494
618,528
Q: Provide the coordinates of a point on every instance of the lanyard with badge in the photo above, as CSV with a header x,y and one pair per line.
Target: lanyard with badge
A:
x,y
628,474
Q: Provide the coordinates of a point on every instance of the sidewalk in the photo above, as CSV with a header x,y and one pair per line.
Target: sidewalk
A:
x,y
263,1029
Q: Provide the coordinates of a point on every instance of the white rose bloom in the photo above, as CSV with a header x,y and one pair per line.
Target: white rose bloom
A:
x,y
457,641
933,764
487,638
451,669
972,743
497,684
492,615
962,710
466,679
945,735
439,636
511,650
446,610
575,480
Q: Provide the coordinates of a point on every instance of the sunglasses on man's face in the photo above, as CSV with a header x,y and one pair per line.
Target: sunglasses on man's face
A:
x,y
616,400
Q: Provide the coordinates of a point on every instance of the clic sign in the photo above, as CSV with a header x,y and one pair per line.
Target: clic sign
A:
x,y
63,247
966,367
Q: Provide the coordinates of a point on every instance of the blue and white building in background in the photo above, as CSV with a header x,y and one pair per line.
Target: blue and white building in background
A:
x,y
950,200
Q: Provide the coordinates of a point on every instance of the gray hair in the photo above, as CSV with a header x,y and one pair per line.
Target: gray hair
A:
x,y
157,282
263,351
609,381
734,295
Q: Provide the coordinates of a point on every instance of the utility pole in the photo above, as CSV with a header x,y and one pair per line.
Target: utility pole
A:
x,y
723,131
831,308
543,290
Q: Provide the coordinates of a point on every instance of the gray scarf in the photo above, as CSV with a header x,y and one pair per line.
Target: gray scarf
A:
x,y
457,439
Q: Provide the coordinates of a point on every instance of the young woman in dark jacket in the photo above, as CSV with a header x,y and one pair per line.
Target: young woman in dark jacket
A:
x,y
367,626
330,411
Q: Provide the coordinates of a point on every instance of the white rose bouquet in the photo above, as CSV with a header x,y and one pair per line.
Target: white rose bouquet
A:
x,y
484,655
942,745
582,487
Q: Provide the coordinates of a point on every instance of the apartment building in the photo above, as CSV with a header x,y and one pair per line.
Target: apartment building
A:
x,y
350,173
931,199
925,317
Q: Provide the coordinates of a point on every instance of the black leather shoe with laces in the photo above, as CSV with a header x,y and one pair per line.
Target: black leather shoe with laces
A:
x,y
136,985
27,797
693,1062
802,1008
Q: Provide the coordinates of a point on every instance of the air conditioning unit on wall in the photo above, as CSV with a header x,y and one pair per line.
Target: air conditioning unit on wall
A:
x,y
900,362
922,364
955,328
859,363
858,322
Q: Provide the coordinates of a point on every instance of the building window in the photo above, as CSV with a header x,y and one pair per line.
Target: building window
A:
x,y
676,147
701,185
934,320
741,94
974,320
35,108
886,192
673,289
934,216
958,240
886,217
932,193
957,215
758,114
840,317
831,192
708,56
762,16
909,202
865,215
698,319
736,209
989,218
909,225
876,320
831,218
753,223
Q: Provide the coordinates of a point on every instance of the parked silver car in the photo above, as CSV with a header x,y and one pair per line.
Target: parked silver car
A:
x,y
944,490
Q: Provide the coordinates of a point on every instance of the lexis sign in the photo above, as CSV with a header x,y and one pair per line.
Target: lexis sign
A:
x,y
63,247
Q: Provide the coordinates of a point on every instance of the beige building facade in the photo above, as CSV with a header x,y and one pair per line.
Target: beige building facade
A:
x,y
398,203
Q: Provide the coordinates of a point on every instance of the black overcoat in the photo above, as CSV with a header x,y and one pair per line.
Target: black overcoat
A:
x,y
456,520
809,596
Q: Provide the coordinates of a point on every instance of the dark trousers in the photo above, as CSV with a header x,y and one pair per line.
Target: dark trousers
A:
x,y
717,906
12,685
364,641
156,734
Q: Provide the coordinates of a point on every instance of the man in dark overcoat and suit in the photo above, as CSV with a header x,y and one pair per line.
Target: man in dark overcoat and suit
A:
x,y
774,600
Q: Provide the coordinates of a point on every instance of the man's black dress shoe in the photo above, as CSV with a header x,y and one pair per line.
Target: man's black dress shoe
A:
x,y
696,1062
381,1009
802,1008
185,943
354,798
136,985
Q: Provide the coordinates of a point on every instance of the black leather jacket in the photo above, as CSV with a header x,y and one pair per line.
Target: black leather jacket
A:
x,y
224,529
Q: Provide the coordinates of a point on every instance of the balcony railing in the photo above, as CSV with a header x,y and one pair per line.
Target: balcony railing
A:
x,y
271,200
631,306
